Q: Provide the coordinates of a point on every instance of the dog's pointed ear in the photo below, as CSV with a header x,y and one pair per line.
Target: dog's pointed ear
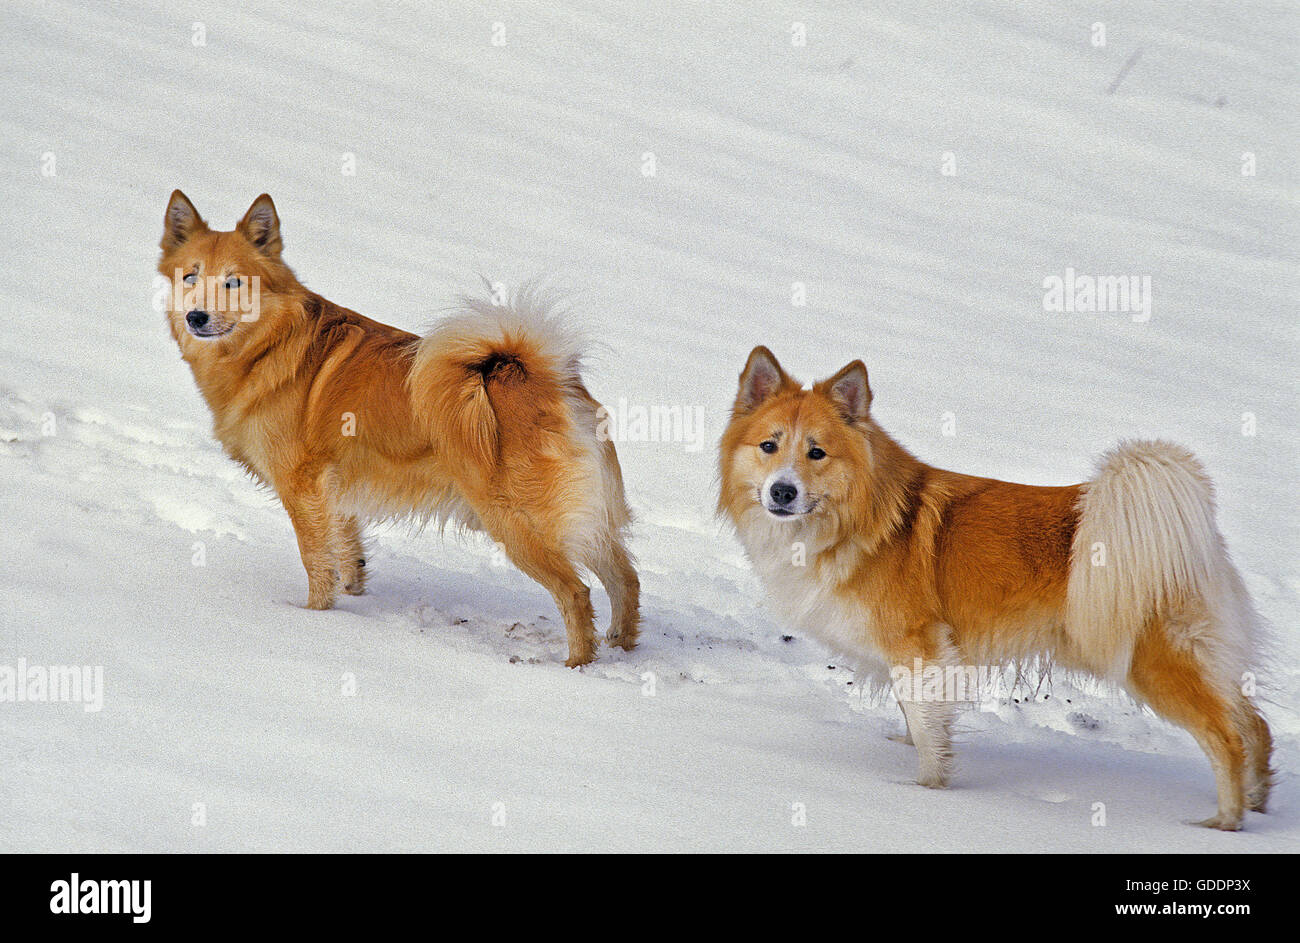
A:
x,y
261,226
849,391
181,222
761,378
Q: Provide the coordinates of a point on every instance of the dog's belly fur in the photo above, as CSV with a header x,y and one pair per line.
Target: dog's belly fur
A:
x,y
847,624
375,487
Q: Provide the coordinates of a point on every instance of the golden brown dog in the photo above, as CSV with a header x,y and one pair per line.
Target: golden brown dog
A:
x,y
901,566
485,421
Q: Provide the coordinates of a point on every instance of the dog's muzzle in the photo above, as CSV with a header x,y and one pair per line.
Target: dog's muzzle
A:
x,y
202,325
784,497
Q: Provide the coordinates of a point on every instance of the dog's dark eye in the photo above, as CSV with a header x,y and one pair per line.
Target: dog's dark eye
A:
x,y
191,278
769,446
232,282
816,454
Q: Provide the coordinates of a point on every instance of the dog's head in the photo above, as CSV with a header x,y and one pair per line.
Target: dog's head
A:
x,y
224,285
792,456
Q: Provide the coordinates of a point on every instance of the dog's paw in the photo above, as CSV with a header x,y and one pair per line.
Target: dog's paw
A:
x,y
577,661
1257,796
934,774
903,738
625,641
1224,823
353,578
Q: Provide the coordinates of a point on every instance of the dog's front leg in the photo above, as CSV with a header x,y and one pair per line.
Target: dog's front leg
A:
x,y
306,498
929,723
920,658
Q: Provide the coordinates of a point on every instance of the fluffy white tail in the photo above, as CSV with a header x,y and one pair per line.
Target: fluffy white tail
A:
x,y
1147,546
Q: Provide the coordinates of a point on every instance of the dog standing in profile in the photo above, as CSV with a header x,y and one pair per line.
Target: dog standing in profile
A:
x,y
1124,577
484,421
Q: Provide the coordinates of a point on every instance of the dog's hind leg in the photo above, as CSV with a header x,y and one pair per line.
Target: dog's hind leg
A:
x,y
545,561
607,556
1259,753
614,569
352,555
1176,685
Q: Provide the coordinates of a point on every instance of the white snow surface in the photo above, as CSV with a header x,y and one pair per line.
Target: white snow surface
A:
x,y
774,163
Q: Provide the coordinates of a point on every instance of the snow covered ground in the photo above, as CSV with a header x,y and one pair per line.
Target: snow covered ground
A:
x,y
682,168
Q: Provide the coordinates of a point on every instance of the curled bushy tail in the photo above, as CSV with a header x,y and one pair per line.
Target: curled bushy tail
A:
x,y
1147,546
491,364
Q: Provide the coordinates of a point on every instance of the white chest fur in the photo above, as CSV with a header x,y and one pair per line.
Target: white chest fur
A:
x,y
802,593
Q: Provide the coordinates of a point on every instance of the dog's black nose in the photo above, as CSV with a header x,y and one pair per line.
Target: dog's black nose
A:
x,y
783,494
196,319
